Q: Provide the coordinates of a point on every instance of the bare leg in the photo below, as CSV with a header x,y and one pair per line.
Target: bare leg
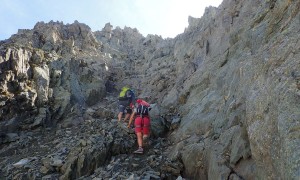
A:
x,y
126,117
140,150
120,116
145,140
139,139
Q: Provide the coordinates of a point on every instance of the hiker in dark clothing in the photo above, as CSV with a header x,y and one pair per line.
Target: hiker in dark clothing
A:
x,y
126,103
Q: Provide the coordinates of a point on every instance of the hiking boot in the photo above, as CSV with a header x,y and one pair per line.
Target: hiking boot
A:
x,y
140,150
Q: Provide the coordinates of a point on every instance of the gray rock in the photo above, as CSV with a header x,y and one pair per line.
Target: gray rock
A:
x,y
21,163
175,123
233,76
42,79
9,137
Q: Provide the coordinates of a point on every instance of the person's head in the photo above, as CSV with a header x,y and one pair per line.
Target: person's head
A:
x,y
138,101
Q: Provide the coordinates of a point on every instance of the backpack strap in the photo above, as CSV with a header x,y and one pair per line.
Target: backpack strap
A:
x,y
142,110
141,113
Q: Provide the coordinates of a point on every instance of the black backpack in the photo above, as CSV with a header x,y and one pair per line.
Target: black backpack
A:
x,y
143,110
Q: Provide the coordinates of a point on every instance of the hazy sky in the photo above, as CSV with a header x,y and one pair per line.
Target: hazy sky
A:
x,y
162,17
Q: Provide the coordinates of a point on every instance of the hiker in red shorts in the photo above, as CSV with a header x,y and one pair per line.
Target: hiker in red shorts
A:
x,y
141,123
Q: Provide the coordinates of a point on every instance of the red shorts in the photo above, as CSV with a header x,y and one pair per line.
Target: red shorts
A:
x,y
142,124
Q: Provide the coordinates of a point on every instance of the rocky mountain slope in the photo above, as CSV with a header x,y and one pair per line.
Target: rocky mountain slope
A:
x,y
226,94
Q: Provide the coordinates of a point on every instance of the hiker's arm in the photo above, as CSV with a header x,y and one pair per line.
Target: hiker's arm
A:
x,y
131,118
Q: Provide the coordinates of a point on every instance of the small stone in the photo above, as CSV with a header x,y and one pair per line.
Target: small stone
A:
x,y
44,170
56,163
21,163
83,142
134,165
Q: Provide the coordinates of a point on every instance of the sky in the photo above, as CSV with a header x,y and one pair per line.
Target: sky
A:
x,y
167,18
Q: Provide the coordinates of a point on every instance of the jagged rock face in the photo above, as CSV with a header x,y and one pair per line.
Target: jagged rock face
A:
x,y
46,72
231,80
244,96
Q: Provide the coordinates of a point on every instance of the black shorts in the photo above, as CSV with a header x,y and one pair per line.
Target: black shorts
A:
x,y
124,109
